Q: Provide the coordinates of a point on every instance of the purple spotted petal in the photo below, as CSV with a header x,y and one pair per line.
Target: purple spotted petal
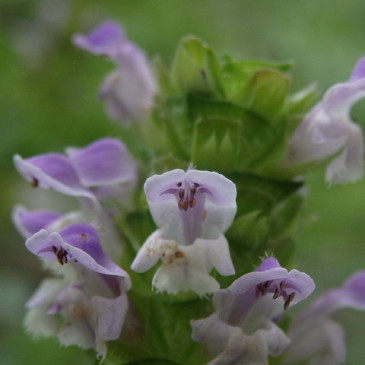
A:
x,y
242,330
103,162
105,39
52,171
30,222
190,205
78,243
262,293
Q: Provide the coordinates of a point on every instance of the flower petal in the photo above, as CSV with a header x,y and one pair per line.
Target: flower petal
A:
x,y
261,291
103,162
52,171
348,166
328,128
79,242
30,222
213,210
105,39
129,90
184,268
313,334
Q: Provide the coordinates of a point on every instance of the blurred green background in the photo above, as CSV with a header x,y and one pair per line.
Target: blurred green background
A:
x,y
48,100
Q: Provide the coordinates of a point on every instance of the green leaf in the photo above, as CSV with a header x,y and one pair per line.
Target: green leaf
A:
x,y
195,68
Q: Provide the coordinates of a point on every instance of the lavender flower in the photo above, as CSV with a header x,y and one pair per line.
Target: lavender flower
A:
x,y
129,90
314,336
192,210
30,222
242,330
98,171
92,306
328,130
107,168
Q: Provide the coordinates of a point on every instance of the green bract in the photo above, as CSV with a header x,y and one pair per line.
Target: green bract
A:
x,y
229,115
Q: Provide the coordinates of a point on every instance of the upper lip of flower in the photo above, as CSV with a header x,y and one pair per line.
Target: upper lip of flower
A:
x,y
292,286
192,204
79,242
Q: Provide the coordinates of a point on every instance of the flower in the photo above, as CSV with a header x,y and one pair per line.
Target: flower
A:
x,y
92,306
314,336
129,90
242,330
30,222
106,167
328,130
96,172
192,210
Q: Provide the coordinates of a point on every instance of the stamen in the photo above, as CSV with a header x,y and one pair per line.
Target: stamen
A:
x,y
258,290
289,300
186,195
34,182
262,288
61,254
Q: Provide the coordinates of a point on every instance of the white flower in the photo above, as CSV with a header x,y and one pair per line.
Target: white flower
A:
x,y
192,210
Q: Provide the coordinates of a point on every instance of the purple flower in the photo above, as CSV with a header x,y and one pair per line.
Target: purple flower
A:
x,y
92,306
242,330
129,90
328,130
106,39
99,171
192,210
106,167
314,336
30,222
102,165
